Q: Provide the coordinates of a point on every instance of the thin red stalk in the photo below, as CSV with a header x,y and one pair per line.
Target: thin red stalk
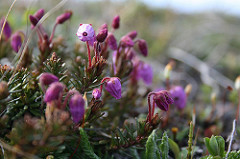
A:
x,y
149,106
97,52
71,92
89,55
104,79
79,141
153,108
53,31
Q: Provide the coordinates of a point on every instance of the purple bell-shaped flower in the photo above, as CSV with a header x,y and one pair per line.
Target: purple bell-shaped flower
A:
x,y
76,105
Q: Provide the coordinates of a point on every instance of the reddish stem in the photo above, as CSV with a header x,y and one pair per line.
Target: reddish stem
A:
x,y
153,109
53,31
103,80
97,52
89,55
79,141
149,106
71,92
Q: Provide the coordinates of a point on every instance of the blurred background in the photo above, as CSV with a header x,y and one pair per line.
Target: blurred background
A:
x,y
201,36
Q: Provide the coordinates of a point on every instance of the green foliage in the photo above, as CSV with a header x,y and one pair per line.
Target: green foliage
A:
x,y
164,146
152,150
174,147
85,145
234,155
215,145
24,96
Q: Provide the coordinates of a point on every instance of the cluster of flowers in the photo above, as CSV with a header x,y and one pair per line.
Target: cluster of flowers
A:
x,y
54,94
55,91
141,70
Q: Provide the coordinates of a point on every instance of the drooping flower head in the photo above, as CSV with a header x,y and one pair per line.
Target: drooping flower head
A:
x,y
179,96
162,99
76,105
96,93
16,41
7,31
54,91
113,86
86,33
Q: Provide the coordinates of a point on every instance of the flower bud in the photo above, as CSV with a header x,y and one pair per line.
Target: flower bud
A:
x,y
96,93
3,90
162,100
39,14
16,41
179,96
142,45
54,91
116,22
7,31
112,41
33,20
48,78
132,34
126,41
103,32
76,105
113,86
63,17
237,83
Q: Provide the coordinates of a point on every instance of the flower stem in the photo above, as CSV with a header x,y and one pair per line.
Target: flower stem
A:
x,y
103,80
89,55
149,106
53,31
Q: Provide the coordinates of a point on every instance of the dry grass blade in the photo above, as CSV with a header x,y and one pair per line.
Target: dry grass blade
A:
x,y
9,10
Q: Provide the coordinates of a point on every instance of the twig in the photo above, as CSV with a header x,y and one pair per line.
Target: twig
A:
x,y
231,138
